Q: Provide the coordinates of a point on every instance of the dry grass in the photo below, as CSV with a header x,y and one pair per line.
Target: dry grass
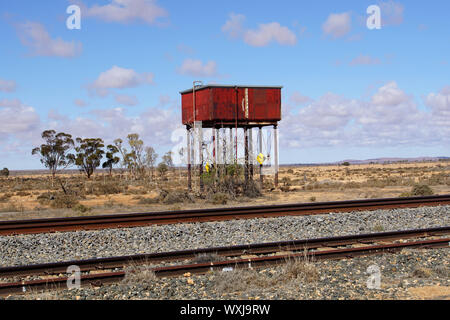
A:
x,y
51,292
294,270
301,269
139,274
12,207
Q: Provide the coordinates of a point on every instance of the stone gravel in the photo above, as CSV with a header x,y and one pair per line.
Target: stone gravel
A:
x,y
43,248
410,274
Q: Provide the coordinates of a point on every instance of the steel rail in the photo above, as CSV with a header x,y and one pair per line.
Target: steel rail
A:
x,y
14,227
201,268
316,255
225,251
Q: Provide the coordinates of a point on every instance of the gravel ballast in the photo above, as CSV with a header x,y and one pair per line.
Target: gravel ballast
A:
x,y
410,274
53,247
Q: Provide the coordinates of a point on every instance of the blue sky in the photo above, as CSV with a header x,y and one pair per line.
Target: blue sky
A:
x,y
349,92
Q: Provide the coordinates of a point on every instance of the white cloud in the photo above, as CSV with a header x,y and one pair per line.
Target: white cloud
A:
x,y
445,90
119,78
126,100
265,34
337,24
391,13
6,103
7,85
233,27
390,118
35,36
364,60
330,111
124,11
196,68
22,128
154,125
390,95
439,103
82,127
18,118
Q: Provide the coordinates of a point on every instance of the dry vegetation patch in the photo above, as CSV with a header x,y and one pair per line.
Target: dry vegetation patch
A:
x,y
139,274
294,270
120,192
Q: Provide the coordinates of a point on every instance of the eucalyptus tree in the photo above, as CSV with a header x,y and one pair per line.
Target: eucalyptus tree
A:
x,y
136,156
89,153
111,158
133,160
55,152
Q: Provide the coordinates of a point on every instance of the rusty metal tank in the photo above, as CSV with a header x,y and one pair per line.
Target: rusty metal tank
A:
x,y
230,105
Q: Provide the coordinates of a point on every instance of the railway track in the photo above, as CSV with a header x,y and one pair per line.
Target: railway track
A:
x,y
15,227
270,254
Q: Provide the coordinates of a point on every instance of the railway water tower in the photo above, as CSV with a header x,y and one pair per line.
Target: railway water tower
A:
x,y
227,110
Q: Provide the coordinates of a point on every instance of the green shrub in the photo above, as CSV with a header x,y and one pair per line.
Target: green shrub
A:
x,y
64,201
162,169
286,181
233,170
229,182
58,200
107,188
404,195
45,198
81,208
176,196
421,190
252,190
219,198
4,172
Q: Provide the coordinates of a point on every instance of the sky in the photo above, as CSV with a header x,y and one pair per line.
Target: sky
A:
x,y
349,92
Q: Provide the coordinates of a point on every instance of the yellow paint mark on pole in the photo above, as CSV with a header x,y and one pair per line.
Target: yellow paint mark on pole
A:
x,y
260,158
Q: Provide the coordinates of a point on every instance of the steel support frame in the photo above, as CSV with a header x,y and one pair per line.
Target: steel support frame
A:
x,y
233,148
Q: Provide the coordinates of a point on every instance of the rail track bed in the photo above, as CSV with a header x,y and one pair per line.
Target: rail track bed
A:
x,y
243,256
217,214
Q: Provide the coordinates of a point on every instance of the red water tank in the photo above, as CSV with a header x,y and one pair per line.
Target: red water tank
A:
x,y
217,105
